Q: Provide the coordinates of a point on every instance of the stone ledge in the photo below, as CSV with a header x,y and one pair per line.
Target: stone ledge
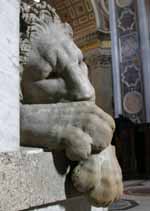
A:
x,y
74,204
31,177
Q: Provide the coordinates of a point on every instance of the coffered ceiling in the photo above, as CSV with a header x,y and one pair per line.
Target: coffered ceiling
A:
x,y
86,17
79,13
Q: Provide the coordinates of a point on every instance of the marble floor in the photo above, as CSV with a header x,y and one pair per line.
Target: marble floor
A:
x,y
136,197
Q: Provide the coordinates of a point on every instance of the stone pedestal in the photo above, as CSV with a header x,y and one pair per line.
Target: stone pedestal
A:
x,y
33,180
9,75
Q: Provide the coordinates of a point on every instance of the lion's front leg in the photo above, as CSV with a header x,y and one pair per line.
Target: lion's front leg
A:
x,y
76,143
77,128
53,127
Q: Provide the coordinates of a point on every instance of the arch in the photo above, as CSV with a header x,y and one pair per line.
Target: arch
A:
x,y
101,11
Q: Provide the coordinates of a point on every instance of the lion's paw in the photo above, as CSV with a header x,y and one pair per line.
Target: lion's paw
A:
x,y
99,178
77,144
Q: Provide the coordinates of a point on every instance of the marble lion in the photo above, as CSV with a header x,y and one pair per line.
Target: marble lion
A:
x,y
58,109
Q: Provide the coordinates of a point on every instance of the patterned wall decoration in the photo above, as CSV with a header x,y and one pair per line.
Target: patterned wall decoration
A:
x,y
130,61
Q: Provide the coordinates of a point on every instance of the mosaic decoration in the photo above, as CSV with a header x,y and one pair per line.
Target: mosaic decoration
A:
x,y
130,61
129,46
131,75
126,21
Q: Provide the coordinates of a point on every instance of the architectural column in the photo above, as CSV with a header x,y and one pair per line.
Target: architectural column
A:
x,y
145,53
9,75
115,60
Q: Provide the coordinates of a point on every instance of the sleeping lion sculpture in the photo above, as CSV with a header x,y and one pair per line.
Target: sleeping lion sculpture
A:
x,y
58,109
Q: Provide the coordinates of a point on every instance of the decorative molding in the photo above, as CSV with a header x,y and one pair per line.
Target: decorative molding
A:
x,y
123,3
101,11
133,102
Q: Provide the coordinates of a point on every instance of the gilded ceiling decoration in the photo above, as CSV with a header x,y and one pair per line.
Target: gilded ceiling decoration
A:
x,y
86,17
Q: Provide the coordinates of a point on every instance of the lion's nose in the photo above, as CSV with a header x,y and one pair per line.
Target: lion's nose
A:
x,y
83,94
78,84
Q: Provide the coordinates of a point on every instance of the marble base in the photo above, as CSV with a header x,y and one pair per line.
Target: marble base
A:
x,y
31,179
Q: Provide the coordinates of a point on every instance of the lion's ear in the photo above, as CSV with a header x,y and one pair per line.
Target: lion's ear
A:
x,y
68,29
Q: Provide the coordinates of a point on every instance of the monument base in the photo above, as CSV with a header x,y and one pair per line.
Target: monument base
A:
x,y
31,179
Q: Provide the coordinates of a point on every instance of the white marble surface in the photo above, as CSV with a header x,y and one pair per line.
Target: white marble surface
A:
x,y
9,75
31,179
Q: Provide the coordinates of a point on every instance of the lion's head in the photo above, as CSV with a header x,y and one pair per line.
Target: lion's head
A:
x,y
53,66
